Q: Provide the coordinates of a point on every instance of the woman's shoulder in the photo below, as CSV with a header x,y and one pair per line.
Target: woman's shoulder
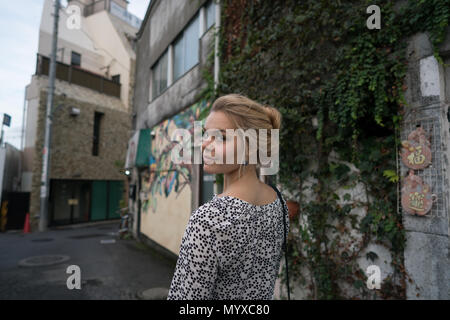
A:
x,y
260,195
211,210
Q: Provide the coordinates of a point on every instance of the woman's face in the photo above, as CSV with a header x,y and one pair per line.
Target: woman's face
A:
x,y
215,146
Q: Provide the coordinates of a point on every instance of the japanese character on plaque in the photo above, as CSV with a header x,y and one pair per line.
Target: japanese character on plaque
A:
x,y
416,195
416,153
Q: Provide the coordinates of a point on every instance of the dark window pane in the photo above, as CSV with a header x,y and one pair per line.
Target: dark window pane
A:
x,y
178,57
192,40
163,76
210,14
155,80
116,78
96,137
76,59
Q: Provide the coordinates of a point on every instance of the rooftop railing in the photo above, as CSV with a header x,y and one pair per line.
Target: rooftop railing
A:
x,y
81,77
113,8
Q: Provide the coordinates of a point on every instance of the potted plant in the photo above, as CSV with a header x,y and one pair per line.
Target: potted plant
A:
x,y
293,208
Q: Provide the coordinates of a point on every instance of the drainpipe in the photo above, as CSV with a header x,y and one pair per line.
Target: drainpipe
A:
x,y
216,46
137,218
216,61
22,138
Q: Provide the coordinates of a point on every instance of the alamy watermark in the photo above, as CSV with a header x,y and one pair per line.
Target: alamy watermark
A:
x,y
258,143
74,281
374,277
374,21
74,19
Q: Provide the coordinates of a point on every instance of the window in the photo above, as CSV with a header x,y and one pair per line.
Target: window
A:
x,y
186,49
210,14
96,138
116,78
159,76
178,56
75,59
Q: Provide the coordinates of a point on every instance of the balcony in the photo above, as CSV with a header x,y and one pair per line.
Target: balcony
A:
x,y
78,76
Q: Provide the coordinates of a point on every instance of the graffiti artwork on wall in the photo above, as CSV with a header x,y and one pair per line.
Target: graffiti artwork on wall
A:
x,y
164,176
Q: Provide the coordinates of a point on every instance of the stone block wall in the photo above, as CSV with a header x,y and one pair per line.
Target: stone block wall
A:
x,y
71,154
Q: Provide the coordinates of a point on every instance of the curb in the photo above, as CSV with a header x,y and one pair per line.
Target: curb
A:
x,y
85,224
153,294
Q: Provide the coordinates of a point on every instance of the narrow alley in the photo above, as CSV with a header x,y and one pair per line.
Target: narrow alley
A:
x,y
33,266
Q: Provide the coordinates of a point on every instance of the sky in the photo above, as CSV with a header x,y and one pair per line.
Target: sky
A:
x,y
19,35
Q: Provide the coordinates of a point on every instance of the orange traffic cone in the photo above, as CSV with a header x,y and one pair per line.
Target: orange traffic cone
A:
x,y
26,227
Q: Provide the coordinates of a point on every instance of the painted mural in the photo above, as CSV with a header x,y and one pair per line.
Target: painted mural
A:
x,y
164,177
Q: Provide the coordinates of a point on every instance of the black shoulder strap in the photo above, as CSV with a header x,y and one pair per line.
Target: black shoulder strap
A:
x,y
285,245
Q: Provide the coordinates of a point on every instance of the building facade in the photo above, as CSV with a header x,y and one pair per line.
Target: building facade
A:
x,y
90,117
172,50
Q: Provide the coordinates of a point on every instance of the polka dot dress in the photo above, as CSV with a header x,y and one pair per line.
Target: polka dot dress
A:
x,y
231,249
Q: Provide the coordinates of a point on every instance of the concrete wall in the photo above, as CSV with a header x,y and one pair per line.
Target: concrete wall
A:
x,y
70,39
428,96
119,55
167,189
167,19
11,174
100,40
163,216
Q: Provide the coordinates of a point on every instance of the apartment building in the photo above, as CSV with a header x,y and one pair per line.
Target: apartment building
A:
x,y
91,114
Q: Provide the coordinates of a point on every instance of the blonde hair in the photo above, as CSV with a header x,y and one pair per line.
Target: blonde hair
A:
x,y
248,114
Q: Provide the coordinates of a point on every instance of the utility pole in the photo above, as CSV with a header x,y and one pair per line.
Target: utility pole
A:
x,y
45,178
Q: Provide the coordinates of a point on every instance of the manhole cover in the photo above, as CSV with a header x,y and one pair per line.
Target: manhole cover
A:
x,y
42,240
40,261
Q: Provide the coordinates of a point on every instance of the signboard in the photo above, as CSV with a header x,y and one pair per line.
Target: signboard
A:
x,y
144,149
132,149
6,119
139,147
73,202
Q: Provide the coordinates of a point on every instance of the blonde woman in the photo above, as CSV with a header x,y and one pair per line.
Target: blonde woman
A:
x,y
232,245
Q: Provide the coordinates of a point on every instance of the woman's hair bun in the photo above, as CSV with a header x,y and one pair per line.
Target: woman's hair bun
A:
x,y
274,116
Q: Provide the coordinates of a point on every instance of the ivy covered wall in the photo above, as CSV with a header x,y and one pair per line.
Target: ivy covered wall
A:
x,y
340,89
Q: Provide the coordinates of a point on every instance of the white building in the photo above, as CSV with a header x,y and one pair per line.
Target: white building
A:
x,y
95,69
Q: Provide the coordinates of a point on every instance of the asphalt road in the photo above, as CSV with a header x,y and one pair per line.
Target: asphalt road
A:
x,y
120,270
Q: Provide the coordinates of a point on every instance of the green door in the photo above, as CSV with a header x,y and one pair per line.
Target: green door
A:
x,y
114,196
99,200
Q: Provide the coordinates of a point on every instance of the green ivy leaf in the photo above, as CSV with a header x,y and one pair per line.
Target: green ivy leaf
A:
x,y
391,175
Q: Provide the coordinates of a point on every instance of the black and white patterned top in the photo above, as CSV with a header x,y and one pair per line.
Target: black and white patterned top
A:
x,y
231,250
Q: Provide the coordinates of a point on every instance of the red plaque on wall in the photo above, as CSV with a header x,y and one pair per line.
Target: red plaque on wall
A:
x,y
416,153
416,195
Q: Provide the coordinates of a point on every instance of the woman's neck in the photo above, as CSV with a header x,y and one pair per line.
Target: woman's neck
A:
x,y
247,179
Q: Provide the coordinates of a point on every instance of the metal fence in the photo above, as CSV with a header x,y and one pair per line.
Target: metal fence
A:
x,y
115,9
429,118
